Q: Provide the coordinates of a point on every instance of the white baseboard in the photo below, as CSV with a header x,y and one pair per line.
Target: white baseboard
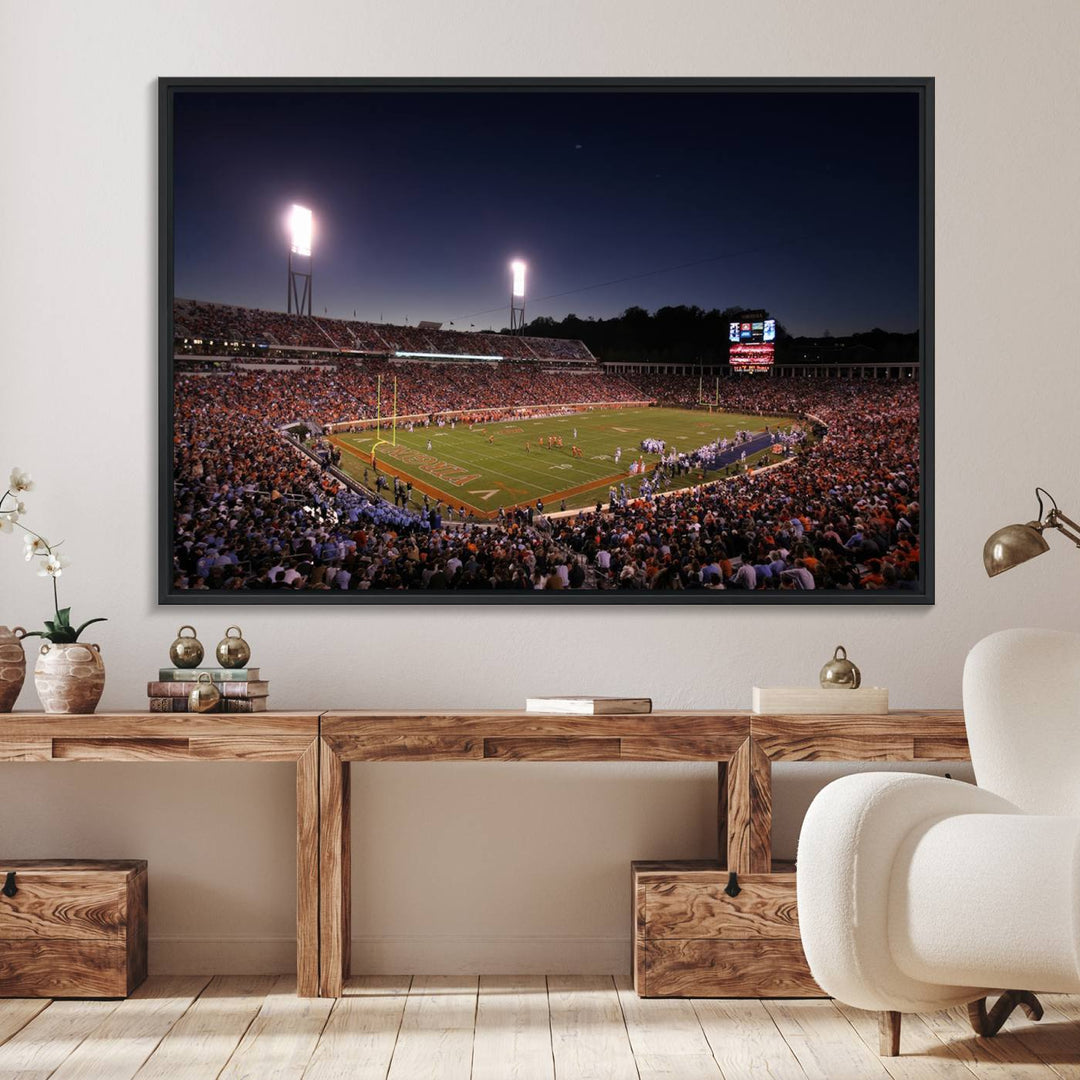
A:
x,y
430,954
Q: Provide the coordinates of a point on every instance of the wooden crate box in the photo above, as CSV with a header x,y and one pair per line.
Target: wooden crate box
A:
x,y
691,939
72,928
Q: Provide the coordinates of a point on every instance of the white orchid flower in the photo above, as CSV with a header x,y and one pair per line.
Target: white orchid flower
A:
x,y
7,520
34,545
54,565
20,481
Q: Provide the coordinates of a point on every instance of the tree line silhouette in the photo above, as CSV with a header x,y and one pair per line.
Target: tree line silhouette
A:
x,y
688,333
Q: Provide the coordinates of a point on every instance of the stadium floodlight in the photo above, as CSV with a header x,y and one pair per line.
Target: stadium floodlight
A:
x,y
517,268
517,297
300,226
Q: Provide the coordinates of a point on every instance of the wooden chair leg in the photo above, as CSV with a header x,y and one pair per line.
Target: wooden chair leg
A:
x,y
889,1033
977,1016
988,1024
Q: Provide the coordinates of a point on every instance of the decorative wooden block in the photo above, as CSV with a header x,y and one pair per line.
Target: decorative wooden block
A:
x,y
817,701
691,939
72,928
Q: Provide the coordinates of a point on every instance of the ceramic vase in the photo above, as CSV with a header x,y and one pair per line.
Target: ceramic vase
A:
x,y
69,678
12,666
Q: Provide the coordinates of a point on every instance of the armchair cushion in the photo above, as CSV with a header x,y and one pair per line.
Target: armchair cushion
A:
x,y
1022,705
852,835
987,899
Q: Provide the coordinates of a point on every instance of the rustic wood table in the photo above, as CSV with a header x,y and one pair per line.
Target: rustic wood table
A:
x,y
901,735
138,736
742,745
497,736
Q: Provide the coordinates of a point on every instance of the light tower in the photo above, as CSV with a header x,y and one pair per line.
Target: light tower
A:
x,y
517,297
300,229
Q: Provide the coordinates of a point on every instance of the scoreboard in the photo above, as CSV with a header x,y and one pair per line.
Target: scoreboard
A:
x,y
751,343
752,332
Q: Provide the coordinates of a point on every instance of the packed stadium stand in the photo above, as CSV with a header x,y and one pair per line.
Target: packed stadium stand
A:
x,y
252,511
196,321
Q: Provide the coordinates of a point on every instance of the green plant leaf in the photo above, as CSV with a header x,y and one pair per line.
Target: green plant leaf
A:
x,y
63,616
86,624
57,637
50,625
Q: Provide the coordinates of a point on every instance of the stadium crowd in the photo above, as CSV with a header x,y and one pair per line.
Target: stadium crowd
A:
x,y
844,514
225,323
350,391
252,511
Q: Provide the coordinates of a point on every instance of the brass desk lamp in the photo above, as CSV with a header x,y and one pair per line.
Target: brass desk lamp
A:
x,y
1014,544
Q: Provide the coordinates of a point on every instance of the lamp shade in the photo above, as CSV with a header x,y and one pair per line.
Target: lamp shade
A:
x,y
1012,545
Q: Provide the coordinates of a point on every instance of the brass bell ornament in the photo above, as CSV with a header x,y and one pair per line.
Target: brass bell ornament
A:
x,y
233,652
187,651
840,673
204,696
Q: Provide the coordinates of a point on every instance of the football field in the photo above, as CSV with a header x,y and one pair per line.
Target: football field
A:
x,y
509,463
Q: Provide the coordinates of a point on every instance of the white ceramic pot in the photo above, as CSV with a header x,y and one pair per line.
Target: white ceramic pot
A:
x,y
69,678
12,666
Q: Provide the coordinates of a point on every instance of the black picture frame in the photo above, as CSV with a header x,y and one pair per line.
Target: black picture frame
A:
x,y
922,87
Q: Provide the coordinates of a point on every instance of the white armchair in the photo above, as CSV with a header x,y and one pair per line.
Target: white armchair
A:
x,y
918,893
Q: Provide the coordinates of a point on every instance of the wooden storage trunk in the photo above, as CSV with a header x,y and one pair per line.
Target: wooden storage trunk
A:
x,y
72,928
691,939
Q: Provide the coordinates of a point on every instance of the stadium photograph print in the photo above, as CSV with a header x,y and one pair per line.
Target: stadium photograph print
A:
x,y
546,341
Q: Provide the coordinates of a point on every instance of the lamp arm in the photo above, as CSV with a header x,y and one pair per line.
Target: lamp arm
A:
x,y
1057,520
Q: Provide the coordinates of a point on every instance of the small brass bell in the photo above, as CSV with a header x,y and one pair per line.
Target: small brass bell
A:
x,y
186,652
233,652
204,696
840,673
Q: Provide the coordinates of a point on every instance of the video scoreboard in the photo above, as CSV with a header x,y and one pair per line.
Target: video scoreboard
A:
x,y
751,343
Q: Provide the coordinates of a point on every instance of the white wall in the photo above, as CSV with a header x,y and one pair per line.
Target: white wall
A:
x,y
494,867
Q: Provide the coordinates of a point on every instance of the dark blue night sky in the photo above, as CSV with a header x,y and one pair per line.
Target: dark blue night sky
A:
x,y
802,203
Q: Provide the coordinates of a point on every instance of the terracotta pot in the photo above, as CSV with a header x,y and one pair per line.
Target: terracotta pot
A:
x,y
69,678
12,666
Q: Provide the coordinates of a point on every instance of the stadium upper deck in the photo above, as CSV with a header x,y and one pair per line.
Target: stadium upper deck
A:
x,y
201,322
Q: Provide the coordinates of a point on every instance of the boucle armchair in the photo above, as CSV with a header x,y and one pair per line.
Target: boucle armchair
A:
x,y
918,893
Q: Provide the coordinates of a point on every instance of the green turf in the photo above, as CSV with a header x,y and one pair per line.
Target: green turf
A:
x,y
503,473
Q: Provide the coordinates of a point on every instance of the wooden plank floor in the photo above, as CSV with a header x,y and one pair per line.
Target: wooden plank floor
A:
x,y
524,1027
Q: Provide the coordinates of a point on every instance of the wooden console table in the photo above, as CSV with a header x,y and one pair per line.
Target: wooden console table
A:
x,y
902,735
743,745
498,736
323,745
261,737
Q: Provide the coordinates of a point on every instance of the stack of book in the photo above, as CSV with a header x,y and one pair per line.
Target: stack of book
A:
x,y
241,689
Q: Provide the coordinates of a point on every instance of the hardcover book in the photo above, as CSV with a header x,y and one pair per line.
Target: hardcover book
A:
x,y
588,706
229,705
249,705
191,674
254,689
168,704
